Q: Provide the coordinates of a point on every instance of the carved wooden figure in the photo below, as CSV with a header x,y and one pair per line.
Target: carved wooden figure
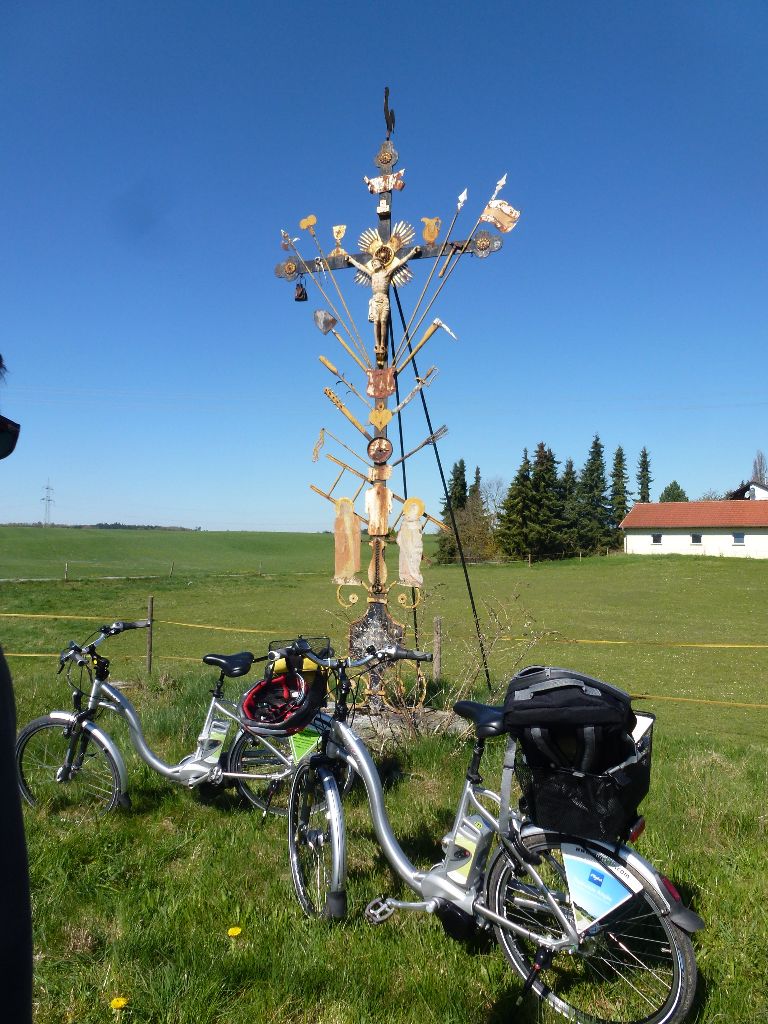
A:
x,y
411,543
346,531
378,505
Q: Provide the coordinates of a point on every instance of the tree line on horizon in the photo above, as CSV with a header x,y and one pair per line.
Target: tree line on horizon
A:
x,y
544,514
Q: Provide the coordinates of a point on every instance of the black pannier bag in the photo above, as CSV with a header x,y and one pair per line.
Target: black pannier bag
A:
x,y
580,770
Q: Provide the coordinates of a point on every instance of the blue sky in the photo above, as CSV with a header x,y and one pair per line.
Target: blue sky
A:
x,y
153,151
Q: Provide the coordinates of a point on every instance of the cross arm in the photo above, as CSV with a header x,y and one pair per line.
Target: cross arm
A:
x,y
295,265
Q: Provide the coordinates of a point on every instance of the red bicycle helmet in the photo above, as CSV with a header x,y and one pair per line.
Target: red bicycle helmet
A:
x,y
284,702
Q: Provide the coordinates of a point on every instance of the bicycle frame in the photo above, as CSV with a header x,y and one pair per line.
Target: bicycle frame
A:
x,y
193,769
447,881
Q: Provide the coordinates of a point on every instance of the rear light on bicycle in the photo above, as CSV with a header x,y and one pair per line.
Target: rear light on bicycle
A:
x,y
637,830
671,890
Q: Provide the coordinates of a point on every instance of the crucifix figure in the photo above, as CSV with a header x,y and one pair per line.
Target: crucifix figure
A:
x,y
381,269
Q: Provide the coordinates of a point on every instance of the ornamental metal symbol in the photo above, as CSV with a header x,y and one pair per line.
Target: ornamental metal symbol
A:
x,y
386,261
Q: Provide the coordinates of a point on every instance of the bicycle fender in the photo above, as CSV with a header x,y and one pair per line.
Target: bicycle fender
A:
x,y
105,739
678,913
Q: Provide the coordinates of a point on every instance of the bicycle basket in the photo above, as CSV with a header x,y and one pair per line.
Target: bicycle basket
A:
x,y
595,806
291,693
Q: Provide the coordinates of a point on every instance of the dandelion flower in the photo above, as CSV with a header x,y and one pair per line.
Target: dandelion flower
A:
x,y
234,932
118,1002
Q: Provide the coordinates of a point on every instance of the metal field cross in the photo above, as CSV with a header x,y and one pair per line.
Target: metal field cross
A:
x,y
382,263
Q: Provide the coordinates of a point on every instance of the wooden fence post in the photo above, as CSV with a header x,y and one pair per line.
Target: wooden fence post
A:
x,y
437,649
150,614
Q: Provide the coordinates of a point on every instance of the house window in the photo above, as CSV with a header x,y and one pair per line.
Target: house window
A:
x,y
655,538
738,538
695,538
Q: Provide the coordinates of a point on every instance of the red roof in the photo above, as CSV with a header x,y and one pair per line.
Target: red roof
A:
x,y
696,515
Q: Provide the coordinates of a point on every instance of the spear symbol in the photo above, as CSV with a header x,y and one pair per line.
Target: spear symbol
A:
x,y
459,203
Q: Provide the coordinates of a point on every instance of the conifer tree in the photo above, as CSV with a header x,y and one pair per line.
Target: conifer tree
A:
x,y
619,501
568,486
644,478
447,549
474,487
513,535
593,506
546,519
673,492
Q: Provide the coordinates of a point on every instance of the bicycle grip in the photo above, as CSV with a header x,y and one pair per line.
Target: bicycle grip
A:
x,y
120,626
406,655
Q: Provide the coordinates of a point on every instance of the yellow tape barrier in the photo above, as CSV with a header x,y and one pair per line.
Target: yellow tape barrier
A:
x,y
551,639
164,622
639,643
699,700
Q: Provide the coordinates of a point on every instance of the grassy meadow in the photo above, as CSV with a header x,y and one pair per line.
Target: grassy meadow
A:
x,y
139,904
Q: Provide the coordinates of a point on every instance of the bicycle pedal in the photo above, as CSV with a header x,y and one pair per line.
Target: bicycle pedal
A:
x,y
379,910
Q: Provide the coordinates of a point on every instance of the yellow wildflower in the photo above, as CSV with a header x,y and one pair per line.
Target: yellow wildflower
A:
x,y
234,932
118,1002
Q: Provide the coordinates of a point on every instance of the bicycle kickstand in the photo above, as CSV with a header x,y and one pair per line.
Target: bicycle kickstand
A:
x,y
541,962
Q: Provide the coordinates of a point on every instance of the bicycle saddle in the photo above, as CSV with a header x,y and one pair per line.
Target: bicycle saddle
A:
x,y
488,720
231,664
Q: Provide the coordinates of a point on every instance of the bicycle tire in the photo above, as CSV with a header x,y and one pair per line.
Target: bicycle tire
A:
x,y
316,842
248,753
637,968
41,750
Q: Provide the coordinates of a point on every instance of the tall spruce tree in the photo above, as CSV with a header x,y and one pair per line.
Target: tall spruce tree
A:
x,y
620,496
546,519
447,548
568,486
513,532
644,478
593,504
474,488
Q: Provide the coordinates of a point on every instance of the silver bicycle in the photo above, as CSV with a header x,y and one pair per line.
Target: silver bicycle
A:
x,y
66,760
592,928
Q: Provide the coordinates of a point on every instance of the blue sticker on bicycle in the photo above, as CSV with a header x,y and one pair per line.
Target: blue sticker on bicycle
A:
x,y
594,891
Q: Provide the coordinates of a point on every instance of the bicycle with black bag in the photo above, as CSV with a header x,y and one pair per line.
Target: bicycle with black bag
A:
x,y
594,930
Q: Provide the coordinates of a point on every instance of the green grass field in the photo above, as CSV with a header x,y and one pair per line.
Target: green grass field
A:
x,y
138,905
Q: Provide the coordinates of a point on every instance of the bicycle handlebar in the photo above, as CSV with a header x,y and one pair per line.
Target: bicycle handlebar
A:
x,y
75,652
391,653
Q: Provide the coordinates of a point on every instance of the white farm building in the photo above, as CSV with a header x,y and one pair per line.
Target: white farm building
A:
x,y
734,529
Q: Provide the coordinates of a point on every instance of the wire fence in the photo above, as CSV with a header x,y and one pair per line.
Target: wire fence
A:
x,y
551,638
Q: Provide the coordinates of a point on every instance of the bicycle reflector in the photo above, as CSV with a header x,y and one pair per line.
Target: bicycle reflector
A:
x,y
637,830
671,889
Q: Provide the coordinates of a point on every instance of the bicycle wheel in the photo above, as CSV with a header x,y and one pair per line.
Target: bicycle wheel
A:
x,y
316,842
633,966
92,782
271,784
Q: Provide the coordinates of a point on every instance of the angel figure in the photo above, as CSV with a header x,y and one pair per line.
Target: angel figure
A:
x,y
411,543
381,269
346,531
